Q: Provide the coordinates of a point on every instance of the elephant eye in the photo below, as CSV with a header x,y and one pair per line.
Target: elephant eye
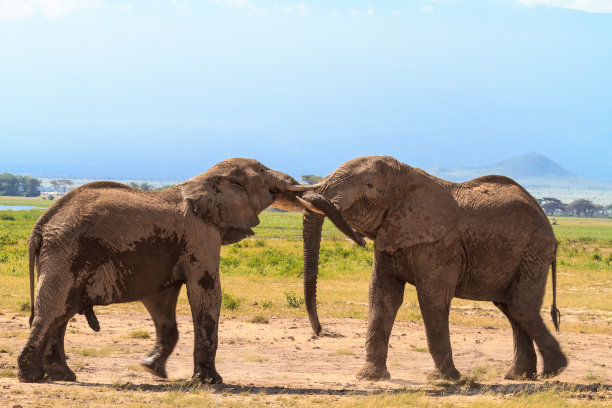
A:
x,y
370,185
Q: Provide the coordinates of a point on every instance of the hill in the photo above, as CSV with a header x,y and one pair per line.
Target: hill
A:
x,y
541,176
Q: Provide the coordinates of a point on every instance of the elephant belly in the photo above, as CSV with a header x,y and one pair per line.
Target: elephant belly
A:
x,y
487,282
108,285
142,268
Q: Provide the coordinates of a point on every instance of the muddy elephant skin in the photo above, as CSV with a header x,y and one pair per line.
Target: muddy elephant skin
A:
x,y
485,239
105,242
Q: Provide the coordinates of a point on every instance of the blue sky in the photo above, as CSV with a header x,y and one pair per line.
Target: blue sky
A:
x,y
165,89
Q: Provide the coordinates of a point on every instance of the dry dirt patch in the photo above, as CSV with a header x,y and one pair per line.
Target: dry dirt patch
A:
x,y
282,357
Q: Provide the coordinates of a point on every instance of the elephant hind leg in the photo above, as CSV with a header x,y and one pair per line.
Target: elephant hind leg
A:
x,y
525,360
54,360
524,303
162,308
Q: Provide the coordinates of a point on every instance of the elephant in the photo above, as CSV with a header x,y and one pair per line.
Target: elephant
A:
x,y
484,239
105,242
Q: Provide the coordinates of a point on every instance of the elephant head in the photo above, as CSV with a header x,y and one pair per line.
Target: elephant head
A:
x,y
389,202
232,193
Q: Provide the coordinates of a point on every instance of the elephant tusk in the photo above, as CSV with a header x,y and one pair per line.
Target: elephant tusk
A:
x,y
300,187
309,206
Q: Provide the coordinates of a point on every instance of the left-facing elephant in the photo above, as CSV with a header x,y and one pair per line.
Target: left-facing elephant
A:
x,y
105,242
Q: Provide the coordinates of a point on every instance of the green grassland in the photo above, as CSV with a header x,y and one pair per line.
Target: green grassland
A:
x,y
267,269
29,201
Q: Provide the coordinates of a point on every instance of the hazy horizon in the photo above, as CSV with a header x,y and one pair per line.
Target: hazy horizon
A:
x,y
134,90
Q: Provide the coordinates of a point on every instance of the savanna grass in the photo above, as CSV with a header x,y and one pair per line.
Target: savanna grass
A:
x,y
256,273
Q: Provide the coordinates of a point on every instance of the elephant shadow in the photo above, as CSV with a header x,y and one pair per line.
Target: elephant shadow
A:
x,y
441,389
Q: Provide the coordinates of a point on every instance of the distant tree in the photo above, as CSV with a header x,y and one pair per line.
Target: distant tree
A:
x,y
9,184
551,205
583,208
61,185
143,186
311,179
31,186
13,185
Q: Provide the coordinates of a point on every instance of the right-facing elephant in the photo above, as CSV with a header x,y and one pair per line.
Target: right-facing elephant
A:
x,y
485,239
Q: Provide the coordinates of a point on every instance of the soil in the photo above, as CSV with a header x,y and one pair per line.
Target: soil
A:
x,y
282,356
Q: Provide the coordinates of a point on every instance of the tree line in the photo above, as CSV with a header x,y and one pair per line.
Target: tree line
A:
x,y
19,186
578,208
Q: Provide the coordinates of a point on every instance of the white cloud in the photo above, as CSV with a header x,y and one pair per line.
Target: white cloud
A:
x,y
591,6
368,12
50,9
427,9
396,12
300,8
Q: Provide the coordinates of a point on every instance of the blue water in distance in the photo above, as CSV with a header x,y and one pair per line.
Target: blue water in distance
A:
x,y
17,207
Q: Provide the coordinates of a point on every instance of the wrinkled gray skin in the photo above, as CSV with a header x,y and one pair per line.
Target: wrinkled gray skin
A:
x,y
105,242
485,239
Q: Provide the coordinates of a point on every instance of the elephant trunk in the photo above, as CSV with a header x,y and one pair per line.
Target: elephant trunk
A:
x,y
313,224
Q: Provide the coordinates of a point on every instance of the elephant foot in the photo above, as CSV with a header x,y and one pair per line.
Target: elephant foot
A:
x,y
155,366
518,374
553,367
371,372
208,376
450,374
60,373
27,370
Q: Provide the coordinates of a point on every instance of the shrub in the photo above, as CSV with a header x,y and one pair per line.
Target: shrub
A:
x,y
266,304
229,301
293,300
259,319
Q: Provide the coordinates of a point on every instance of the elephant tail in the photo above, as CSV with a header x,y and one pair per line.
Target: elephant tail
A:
x,y
34,243
554,312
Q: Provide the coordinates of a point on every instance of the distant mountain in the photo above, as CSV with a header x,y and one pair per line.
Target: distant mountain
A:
x,y
541,176
531,165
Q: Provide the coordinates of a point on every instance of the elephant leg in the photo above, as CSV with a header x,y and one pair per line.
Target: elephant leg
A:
x,y
54,360
162,308
204,293
50,317
525,360
524,303
435,317
385,296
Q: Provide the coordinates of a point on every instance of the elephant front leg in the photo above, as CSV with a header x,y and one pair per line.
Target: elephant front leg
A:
x,y
204,293
434,302
386,296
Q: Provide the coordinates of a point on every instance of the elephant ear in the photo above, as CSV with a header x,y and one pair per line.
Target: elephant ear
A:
x,y
426,213
221,201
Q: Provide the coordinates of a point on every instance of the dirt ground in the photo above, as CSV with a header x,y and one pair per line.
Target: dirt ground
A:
x,y
282,357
